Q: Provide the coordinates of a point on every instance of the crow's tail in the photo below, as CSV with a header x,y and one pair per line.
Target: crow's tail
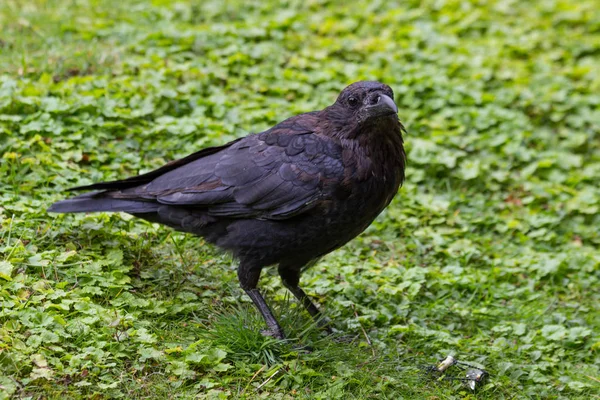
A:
x,y
101,201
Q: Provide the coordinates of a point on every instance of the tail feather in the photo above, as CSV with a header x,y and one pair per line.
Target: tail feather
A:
x,y
98,201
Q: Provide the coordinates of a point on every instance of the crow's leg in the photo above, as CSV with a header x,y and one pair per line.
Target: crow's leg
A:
x,y
248,276
291,278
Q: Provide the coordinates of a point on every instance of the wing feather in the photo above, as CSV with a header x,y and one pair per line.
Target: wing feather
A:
x,y
277,174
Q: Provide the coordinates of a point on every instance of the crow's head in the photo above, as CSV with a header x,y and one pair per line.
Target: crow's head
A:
x,y
367,100
362,105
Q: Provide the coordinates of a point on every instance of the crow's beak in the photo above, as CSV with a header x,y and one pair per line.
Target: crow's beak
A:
x,y
381,104
387,102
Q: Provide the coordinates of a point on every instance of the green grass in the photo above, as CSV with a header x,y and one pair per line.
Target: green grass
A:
x,y
489,252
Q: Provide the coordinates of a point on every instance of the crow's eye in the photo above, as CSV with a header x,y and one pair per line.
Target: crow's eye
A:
x,y
353,101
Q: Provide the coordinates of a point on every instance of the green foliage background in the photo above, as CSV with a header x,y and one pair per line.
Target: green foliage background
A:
x,y
489,251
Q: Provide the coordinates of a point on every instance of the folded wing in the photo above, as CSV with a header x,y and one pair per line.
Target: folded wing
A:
x,y
273,175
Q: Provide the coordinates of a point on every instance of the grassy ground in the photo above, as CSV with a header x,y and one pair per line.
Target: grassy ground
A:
x,y
489,252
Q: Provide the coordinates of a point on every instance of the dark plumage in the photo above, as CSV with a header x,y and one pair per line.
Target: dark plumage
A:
x,y
282,197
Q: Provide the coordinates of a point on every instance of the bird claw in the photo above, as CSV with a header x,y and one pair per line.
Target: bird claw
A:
x,y
272,333
325,323
300,348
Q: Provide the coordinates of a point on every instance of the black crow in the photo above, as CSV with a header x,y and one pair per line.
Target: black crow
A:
x,y
284,197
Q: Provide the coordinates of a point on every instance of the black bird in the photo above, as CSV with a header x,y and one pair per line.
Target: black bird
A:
x,y
284,197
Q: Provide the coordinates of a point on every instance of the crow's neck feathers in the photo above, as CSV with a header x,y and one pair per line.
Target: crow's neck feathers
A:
x,y
373,147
